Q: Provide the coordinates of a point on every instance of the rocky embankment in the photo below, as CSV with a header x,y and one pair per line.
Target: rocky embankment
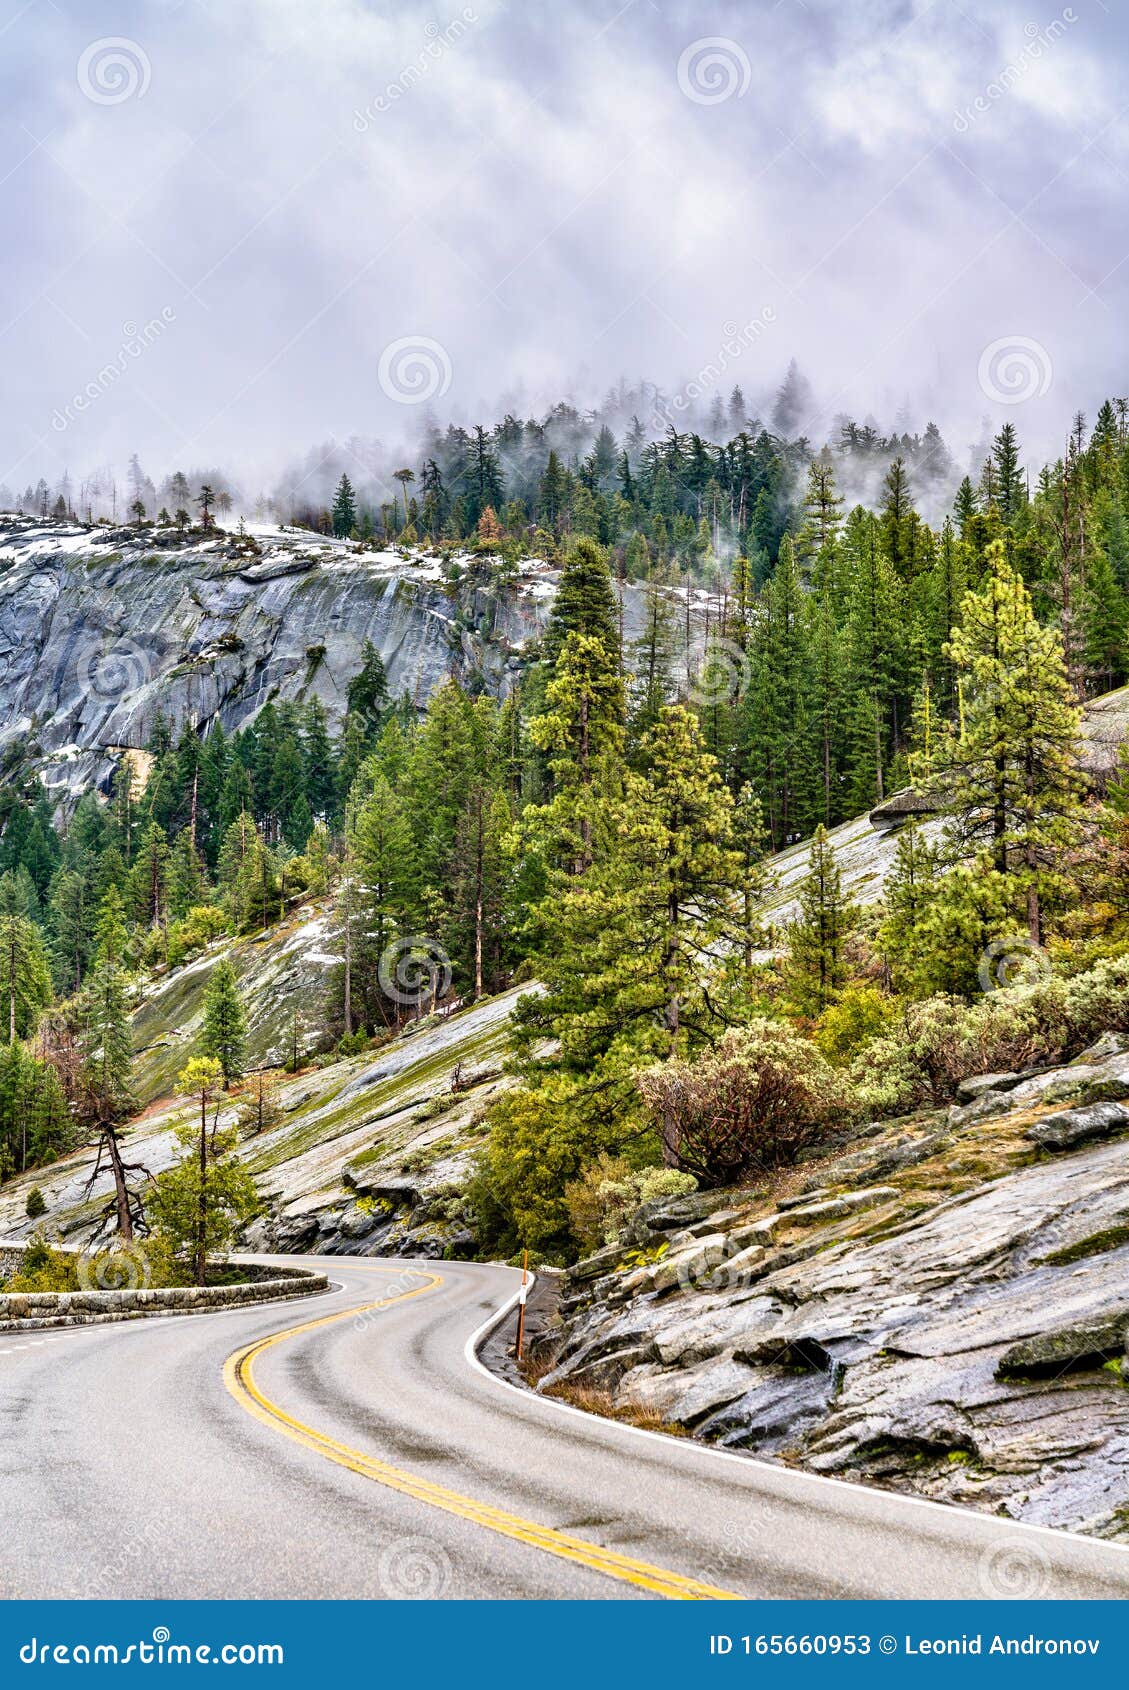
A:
x,y
942,1306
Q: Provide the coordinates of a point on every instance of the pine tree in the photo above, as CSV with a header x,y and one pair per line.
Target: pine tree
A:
x,y
25,973
150,880
404,477
825,667
1105,624
877,657
776,727
35,1124
110,935
552,495
367,693
823,509
344,515
69,917
186,881
585,603
287,800
488,528
907,895
652,657
817,939
261,1111
1010,779
479,882
376,897
1010,487
225,1026
629,955
236,799
581,731
749,841
318,771
945,587
199,1205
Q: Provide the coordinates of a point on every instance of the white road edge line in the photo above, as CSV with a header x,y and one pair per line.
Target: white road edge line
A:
x,y
990,1522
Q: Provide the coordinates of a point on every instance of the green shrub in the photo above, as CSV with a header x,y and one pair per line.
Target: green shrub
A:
x,y
36,1203
858,1015
603,1199
541,1139
943,1040
195,932
44,1269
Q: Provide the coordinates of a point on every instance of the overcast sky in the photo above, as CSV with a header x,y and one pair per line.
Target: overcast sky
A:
x,y
317,214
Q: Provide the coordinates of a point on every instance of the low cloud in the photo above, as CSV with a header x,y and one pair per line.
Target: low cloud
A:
x,y
554,198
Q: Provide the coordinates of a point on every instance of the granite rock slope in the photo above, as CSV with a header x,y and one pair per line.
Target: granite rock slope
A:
x,y
944,1308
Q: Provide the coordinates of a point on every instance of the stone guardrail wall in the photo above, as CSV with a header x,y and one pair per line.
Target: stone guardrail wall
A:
x,y
20,1310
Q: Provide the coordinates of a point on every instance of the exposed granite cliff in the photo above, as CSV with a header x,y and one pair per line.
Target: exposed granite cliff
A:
x,y
100,628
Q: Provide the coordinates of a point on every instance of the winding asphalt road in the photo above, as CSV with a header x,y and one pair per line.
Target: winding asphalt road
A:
x,y
349,1445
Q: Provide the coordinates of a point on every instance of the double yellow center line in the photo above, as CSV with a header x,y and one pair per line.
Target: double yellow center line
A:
x,y
239,1377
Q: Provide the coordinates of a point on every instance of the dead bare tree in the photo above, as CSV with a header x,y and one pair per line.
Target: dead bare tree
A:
x,y
125,1208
